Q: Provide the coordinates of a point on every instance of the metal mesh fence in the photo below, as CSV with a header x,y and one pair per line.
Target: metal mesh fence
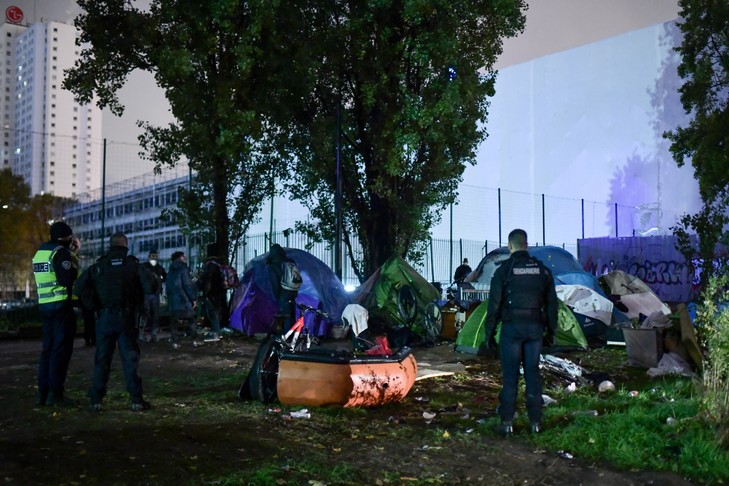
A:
x,y
479,223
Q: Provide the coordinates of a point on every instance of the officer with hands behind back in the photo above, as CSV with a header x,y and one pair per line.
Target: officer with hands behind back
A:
x,y
55,273
522,297
120,284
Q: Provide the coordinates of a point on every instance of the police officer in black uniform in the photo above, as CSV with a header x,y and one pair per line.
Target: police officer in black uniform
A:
x,y
522,297
120,284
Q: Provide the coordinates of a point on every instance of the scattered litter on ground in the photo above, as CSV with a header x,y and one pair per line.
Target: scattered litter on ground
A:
x,y
561,366
671,364
592,413
606,386
547,400
303,413
430,448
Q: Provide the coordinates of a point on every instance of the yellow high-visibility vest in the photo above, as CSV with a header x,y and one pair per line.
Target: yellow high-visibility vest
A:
x,y
45,277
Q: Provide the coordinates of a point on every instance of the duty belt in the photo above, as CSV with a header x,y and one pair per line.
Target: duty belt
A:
x,y
524,315
117,310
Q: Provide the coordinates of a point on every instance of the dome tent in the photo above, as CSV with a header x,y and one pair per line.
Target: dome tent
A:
x,y
254,303
566,270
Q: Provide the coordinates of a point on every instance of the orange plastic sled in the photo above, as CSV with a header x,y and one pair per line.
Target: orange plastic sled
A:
x,y
315,379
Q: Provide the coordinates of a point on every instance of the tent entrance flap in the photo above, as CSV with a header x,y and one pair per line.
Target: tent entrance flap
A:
x,y
470,339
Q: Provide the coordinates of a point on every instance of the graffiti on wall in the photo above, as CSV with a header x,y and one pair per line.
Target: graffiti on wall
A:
x,y
653,259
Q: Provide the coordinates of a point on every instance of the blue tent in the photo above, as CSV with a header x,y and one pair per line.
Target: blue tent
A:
x,y
254,305
565,269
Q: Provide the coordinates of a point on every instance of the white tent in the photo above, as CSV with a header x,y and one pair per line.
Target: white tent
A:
x,y
584,300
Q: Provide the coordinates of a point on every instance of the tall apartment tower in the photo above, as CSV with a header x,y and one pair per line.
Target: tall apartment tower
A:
x,y
8,36
57,143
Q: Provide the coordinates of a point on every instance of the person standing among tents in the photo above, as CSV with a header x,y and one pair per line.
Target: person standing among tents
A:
x,y
462,272
285,282
215,296
522,297
180,297
157,276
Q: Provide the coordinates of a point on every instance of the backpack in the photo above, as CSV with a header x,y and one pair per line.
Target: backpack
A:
x,y
230,276
290,276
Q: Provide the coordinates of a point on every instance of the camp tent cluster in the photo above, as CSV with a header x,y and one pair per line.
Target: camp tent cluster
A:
x,y
589,308
592,309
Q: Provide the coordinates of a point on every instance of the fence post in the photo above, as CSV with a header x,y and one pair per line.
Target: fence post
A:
x,y
616,220
450,266
499,196
544,223
245,252
432,261
103,198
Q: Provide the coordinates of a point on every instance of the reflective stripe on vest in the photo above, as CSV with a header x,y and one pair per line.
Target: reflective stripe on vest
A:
x,y
45,278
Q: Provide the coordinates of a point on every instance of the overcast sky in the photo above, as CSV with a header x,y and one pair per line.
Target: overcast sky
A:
x,y
552,26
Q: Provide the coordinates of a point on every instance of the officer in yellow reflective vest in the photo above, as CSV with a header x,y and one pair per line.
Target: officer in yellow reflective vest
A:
x,y
54,277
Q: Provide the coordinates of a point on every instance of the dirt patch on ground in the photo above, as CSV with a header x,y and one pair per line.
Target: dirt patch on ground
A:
x,y
199,431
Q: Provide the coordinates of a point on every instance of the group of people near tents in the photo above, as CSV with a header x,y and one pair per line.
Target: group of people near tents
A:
x,y
589,310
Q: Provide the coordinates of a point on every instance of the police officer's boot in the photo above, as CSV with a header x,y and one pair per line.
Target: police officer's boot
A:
x,y
505,429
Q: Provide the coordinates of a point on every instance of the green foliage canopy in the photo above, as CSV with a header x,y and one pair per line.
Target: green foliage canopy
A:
x,y
704,69
213,60
410,80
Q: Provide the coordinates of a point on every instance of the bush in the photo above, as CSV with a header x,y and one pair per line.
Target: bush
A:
x,y
713,318
14,318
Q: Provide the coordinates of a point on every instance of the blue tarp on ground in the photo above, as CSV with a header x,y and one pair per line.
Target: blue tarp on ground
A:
x,y
254,305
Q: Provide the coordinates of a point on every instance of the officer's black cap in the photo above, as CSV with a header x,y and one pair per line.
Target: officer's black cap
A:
x,y
59,230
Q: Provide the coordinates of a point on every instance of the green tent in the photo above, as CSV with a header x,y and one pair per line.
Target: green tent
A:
x,y
379,293
472,336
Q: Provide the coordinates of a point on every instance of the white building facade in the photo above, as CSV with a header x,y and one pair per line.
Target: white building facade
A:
x,y
57,146
9,33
